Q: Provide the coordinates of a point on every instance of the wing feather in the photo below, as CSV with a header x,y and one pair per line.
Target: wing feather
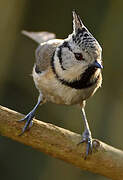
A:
x,y
44,53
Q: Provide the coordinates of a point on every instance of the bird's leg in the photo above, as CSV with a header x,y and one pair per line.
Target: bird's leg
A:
x,y
29,117
86,136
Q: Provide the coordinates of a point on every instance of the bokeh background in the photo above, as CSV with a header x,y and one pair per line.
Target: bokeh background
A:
x,y
17,91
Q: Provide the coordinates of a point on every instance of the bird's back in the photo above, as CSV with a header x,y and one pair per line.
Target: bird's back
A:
x,y
44,54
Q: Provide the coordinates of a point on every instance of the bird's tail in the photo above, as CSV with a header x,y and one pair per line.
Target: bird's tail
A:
x,y
39,37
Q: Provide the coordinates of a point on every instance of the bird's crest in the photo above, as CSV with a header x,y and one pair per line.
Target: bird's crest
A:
x,y
81,35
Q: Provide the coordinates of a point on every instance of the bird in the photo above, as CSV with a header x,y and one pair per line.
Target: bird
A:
x,y
67,71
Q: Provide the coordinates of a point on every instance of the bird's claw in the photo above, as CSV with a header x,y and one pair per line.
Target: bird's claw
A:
x,y
28,118
86,138
89,146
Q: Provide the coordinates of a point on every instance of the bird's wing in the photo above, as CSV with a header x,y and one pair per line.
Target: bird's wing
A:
x,y
39,37
44,54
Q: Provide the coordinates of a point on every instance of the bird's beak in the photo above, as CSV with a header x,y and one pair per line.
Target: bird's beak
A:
x,y
97,64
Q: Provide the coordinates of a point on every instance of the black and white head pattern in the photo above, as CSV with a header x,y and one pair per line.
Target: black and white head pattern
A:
x,y
81,35
73,60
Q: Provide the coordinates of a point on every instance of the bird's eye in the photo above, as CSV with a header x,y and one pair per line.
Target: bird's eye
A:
x,y
79,56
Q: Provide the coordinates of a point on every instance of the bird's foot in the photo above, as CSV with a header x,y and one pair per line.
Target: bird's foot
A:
x,y
87,138
28,118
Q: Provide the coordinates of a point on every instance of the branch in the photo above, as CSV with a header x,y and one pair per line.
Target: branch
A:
x,y
62,144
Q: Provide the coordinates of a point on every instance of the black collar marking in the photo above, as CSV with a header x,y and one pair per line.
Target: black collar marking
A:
x,y
82,83
65,44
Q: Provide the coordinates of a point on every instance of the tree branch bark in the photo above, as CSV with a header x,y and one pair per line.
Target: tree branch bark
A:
x,y
62,144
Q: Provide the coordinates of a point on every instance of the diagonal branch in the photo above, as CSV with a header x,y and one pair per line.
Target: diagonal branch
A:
x,y
62,144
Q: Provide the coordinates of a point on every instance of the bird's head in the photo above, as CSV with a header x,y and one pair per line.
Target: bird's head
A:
x,y
79,52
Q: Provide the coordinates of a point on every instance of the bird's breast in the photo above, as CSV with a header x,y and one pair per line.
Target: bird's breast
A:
x,y
59,93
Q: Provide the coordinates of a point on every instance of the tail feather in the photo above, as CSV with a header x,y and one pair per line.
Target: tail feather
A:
x,y
39,37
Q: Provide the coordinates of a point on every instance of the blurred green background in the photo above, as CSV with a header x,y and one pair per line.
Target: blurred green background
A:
x,y
105,110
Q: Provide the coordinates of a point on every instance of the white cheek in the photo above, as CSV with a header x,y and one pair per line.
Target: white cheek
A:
x,y
87,57
68,60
